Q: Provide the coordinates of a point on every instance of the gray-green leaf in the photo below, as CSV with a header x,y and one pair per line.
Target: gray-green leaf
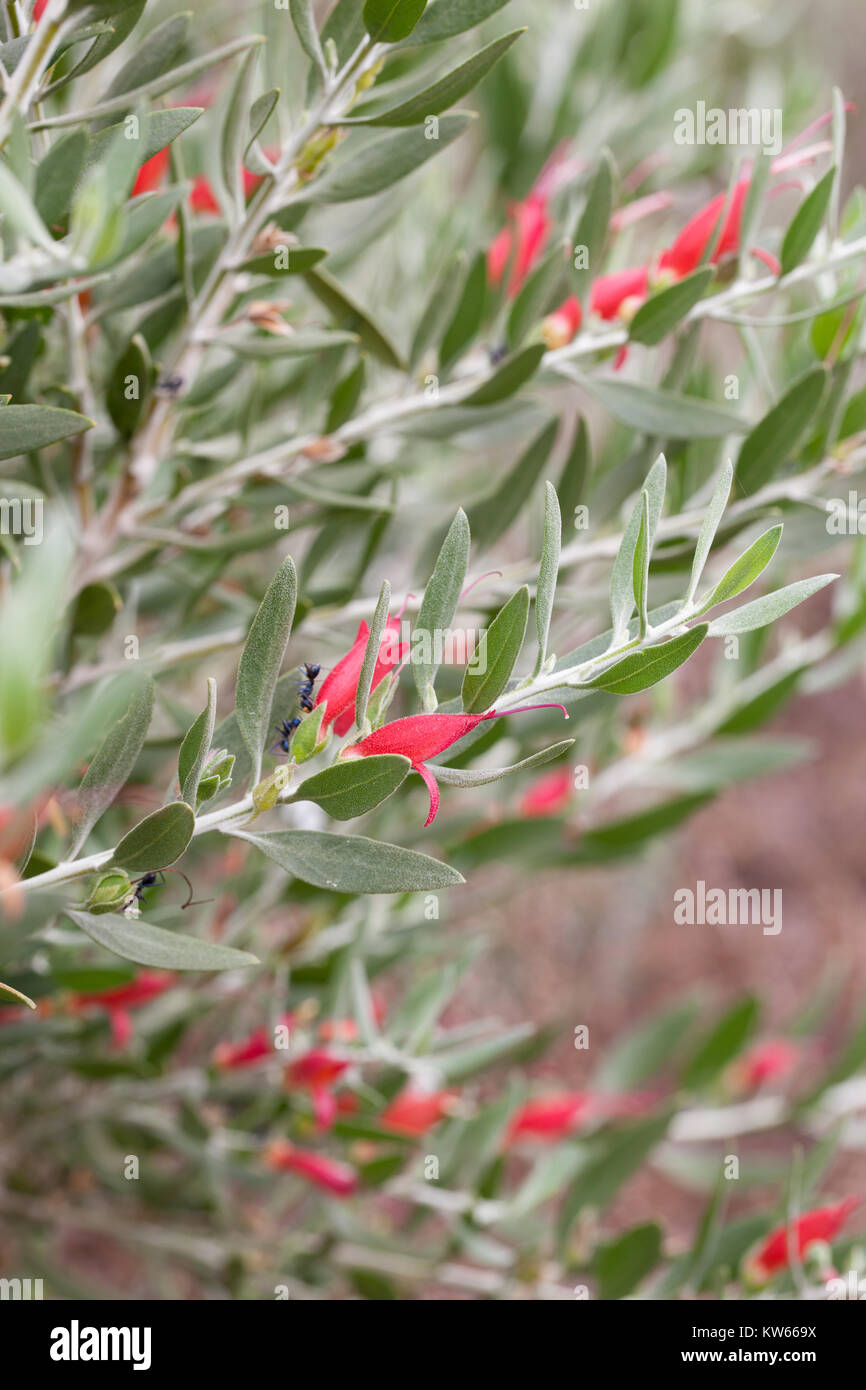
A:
x,y
439,605
496,655
640,670
157,841
352,863
354,786
261,661
195,747
109,769
147,945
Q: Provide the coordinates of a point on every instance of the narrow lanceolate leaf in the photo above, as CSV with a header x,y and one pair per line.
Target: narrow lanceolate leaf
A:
x,y
745,570
389,21
592,228
659,413
640,566
371,654
622,575
709,527
129,385
508,377
443,19
196,746
775,438
664,311
20,213
234,136
349,314
724,1041
369,167
438,607
767,609
482,776
352,863
304,20
157,841
24,428
640,670
468,313
109,770
261,661
548,571
348,789
496,655
806,223
539,292
435,99
147,945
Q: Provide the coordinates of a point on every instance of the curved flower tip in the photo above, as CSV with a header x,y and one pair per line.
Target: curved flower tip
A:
x,y
523,709
433,788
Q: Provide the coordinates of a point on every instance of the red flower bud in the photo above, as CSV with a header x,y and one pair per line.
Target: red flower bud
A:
x,y
559,328
414,1111
821,1225
327,1173
610,292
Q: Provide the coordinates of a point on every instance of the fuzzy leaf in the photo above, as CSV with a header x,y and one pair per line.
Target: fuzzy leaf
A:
x,y
767,609
157,841
354,786
662,312
195,747
745,570
261,661
775,438
375,164
482,776
806,223
352,863
435,99
496,655
640,670
439,605
147,945
389,21
109,769
24,428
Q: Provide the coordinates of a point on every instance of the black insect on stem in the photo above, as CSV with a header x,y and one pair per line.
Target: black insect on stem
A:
x,y
310,673
149,880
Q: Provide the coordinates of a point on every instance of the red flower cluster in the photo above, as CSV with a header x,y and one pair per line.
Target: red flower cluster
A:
x,y
117,1002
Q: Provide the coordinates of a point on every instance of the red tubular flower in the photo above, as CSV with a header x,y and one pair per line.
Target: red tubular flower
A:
x,y
118,1001
559,328
422,736
766,1061
548,794
706,228
258,1045
552,1117
337,691
821,1225
523,237
327,1173
612,296
414,1111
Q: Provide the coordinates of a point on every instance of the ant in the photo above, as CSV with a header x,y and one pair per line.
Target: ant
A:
x,y
149,880
305,689
310,672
